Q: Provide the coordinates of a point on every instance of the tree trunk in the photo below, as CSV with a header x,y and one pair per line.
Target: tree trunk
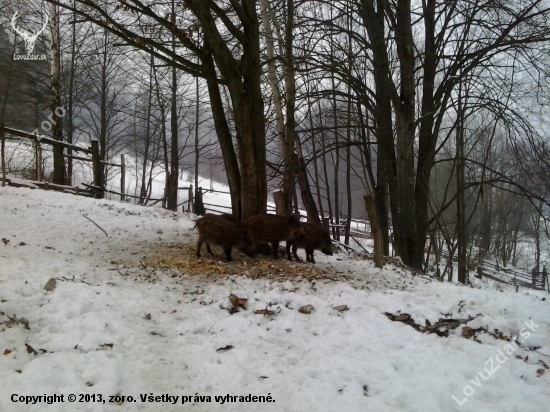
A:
x,y
290,164
460,203
235,212
405,132
59,171
3,108
427,136
225,140
70,96
315,167
280,206
325,173
348,140
103,118
374,21
172,184
143,191
305,191
285,134
376,232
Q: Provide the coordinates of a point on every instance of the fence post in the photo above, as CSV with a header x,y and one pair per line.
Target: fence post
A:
x,y
199,206
201,202
534,273
122,178
190,199
96,164
479,272
38,160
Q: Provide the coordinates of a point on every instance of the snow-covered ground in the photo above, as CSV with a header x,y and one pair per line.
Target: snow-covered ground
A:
x,y
123,321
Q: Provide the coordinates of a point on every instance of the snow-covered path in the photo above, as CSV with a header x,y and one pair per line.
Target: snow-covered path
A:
x,y
114,326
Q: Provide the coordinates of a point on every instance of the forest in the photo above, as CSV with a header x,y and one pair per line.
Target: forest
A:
x,y
433,112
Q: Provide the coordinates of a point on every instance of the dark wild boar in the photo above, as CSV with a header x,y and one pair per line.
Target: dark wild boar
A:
x,y
220,230
315,238
230,217
274,229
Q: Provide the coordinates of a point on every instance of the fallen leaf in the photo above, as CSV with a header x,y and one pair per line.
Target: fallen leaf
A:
x,y
341,308
148,316
225,349
238,302
467,332
306,309
7,352
264,312
30,349
540,372
50,285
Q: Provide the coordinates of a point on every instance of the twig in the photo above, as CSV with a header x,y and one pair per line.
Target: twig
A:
x,y
96,225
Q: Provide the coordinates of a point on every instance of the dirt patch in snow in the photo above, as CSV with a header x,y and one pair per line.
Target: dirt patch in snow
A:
x,y
181,257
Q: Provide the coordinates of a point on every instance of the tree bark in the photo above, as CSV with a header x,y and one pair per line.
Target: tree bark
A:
x,y
376,232
59,170
223,132
143,191
460,203
172,183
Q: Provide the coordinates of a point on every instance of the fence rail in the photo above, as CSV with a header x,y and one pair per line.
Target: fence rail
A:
x,y
534,280
98,189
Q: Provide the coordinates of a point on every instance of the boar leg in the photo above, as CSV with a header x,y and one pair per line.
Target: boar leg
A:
x,y
309,255
294,250
227,250
288,245
275,246
199,245
208,249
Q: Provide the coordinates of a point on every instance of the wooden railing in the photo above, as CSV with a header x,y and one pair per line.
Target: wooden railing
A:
x,y
97,188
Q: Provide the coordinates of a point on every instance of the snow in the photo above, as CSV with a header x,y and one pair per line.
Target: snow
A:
x,y
118,325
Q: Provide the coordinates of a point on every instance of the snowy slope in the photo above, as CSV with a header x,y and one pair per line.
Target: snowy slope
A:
x,y
118,324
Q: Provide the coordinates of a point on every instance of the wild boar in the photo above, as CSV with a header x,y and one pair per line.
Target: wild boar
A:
x,y
230,217
220,230
274,229
315,238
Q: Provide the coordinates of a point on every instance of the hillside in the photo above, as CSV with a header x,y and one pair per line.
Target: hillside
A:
x,y
133,313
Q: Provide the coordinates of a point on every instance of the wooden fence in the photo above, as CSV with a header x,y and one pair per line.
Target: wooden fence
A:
x,y
535,280
96,189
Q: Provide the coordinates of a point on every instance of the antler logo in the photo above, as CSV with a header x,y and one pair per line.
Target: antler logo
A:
x,y
30,39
